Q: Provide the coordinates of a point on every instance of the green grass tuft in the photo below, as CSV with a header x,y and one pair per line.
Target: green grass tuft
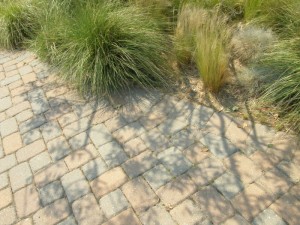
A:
x,y
18,23
104,48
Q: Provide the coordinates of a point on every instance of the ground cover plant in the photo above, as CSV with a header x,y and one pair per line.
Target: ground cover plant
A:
x,y
18,23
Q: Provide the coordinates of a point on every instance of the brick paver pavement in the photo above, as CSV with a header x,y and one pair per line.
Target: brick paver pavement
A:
x,y
143,158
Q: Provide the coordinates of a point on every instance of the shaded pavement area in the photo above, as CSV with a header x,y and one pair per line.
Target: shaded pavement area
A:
x,y
145,158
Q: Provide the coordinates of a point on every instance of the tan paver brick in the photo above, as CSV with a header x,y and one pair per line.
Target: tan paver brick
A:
x,y
80,157
50,174
287,208
214,204
40,161
251,201
12,143
52,213
264,160
67,119
7,162
27,201
8,216
176,191
139,194
18,108
274,182
125,217
187,213
196,153
27,221
236,220
115,123
108,181
157,215
134,147
243,167
5,197
128,132
87,211
30,150
290,169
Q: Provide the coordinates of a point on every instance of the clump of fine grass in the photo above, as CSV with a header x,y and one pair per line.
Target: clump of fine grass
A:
x,y
212,55
283,86
18,23
103,48
249,41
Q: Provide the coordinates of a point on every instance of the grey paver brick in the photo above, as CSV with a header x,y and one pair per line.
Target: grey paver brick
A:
x,y
112,153
200,116
67,119
172,126
32,123
127,215
219,146
30,150
39,161
113,203
7,162
58,148
157,176
100,135
157,215
236,220
94,168
155,140
50,130
83,109
31,136
218,123
27,221
50,174
27,201
75,185
51,192
196,152
8,215
79,141
69,221
25,70
139,194
187,213
53,213
174,161
3,180
10,80
183,139
8,127
86,211
20,176
268,217
229,185
139,164
76,127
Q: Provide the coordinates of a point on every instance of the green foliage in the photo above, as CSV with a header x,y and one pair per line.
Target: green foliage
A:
x,y
103,48
18,23
282,87
211,56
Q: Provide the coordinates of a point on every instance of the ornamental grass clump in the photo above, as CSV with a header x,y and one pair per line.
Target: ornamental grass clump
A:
x,y
103,48
18,23
282,88
212,54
